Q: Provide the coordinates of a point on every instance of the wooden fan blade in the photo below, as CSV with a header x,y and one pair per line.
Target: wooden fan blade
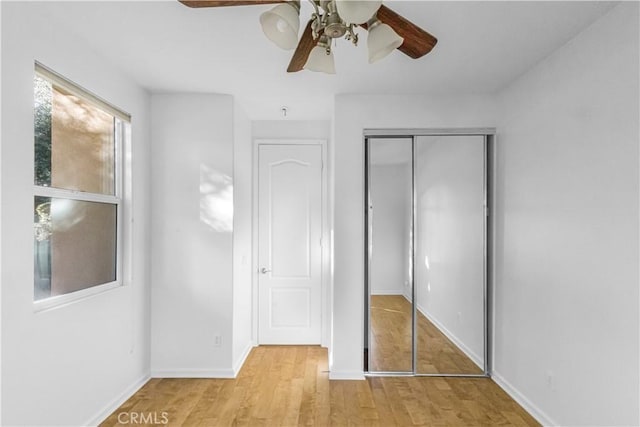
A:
x,y
221,3
417,42
305,45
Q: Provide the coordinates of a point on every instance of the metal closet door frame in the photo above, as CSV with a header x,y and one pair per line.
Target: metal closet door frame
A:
x,y
488,176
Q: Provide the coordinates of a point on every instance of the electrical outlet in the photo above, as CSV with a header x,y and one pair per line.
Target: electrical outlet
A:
x,y
551,380
217,340
459,317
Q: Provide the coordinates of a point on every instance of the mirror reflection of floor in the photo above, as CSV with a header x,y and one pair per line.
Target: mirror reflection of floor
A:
x,y
390,347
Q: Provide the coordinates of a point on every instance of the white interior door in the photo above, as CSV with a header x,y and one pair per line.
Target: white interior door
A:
x,y
289,239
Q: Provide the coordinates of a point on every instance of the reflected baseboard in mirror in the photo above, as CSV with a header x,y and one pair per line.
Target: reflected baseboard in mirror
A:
x,y
391,350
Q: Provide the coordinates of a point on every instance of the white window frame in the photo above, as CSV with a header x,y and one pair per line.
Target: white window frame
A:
x,y
121,134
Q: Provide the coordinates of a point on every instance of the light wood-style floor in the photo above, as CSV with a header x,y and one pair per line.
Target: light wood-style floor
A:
x,y
391,346
289,386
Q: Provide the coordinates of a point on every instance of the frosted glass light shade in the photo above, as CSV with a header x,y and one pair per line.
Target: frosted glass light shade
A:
x,y
357,11
381,41
281,25
319,61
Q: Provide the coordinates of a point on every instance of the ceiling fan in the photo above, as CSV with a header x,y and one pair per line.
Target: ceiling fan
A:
x,y
333,19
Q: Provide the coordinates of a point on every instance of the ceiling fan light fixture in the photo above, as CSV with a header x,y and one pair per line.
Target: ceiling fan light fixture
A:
x,y
281,24
382,40
331,20
357,11
321,58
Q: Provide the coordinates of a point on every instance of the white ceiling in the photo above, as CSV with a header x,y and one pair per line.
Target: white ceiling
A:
x,y
167,47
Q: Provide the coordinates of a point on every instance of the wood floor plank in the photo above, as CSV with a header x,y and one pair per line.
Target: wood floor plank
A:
x,y
337,404
290,386
382,404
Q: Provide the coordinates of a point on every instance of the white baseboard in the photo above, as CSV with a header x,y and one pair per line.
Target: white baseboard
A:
x,y
531,408
388,292
454,339
193,373
346,375
243,357
118,401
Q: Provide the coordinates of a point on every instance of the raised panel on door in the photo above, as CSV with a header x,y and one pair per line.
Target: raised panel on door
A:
x,y
290,230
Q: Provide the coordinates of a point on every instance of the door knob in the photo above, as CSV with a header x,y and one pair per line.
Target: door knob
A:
x,y
264,270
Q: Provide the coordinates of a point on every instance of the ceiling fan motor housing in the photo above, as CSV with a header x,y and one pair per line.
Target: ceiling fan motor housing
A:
x,y
335,27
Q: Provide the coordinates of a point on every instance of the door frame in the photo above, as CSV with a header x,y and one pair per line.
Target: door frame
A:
x,y
325,308
489,135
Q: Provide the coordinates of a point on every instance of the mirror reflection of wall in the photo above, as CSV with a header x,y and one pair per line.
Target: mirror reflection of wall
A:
x,y
427,206
450,244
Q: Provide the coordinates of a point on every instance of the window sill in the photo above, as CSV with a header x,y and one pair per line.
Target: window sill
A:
x,y
64,300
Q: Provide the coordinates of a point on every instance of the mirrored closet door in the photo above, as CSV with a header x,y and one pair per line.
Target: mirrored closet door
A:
x,y
426,219
390,280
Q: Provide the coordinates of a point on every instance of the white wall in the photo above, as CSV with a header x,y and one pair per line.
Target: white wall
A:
x,y
391,223
192,227
291,129
69,365
450,238
567,229
354,113
242,235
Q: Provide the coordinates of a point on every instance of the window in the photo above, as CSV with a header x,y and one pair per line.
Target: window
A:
x,y
78,140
